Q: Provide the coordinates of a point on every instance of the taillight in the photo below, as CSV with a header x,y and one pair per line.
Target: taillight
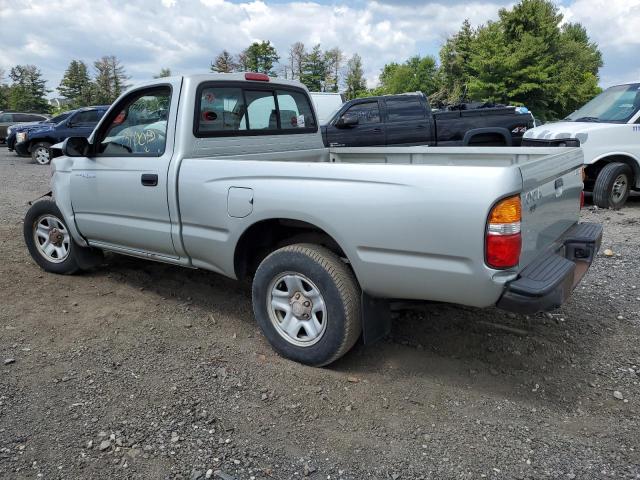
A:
x,y
581,199
260,77
503,241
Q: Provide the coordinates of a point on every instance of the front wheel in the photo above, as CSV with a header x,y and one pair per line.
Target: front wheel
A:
x,y
612,186
50,243
307,303
41,153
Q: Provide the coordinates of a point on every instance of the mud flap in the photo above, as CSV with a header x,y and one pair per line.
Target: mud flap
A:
x,y
376,318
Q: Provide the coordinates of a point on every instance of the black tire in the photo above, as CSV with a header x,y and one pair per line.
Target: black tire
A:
x,y
37,153
606,191
78,258
338,287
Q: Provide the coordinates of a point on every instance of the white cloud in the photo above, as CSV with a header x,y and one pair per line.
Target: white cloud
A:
x,y
185,35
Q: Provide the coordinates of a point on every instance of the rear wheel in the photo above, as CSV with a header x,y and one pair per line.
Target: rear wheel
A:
x,y
612,186
40,153
307,303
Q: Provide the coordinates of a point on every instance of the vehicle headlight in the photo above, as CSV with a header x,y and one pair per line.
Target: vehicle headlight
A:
x,y
21,137
9,130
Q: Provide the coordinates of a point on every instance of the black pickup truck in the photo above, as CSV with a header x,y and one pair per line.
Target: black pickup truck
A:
x,y
407,119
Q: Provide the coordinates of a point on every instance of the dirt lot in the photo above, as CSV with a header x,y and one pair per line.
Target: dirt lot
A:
x,y
142,370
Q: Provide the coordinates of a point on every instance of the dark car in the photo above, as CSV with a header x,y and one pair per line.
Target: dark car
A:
x,y
8,119
37,142
407,119
13,130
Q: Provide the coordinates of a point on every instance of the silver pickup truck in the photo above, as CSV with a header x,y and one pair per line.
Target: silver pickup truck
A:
x,y
228,172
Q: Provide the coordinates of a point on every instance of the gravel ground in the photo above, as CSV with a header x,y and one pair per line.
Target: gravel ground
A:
x,y
144,370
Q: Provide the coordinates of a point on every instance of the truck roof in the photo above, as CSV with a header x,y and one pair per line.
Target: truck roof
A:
x,y
227,77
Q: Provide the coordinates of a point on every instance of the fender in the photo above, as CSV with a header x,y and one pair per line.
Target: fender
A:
x,y
506,134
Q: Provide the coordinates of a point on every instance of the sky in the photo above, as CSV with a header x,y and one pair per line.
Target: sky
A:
x,y
185,35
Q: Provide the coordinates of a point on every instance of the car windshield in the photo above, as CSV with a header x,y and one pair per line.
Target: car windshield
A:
x,y
615,105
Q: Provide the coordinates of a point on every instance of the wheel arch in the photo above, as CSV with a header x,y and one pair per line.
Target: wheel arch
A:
x,y
622,157
266,235
35,141
497,131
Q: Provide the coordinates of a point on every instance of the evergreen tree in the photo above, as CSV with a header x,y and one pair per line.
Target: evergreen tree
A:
x,y
164,72
354,79
75,85
455,70
28,89
314,70
110,79
224,63
259,57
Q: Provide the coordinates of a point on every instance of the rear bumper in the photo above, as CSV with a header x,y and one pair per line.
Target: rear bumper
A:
x,y
547,282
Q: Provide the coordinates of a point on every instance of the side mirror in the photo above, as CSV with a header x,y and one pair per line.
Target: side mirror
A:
x,y
75,147
347,121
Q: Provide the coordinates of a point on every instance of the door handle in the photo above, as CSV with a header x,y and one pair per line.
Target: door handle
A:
x,y
421,126
377,130
149,179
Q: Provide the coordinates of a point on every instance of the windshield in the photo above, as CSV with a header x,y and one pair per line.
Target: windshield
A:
x,y
616,105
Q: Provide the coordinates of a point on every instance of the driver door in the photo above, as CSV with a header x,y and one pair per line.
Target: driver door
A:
x,y
119,193
370,131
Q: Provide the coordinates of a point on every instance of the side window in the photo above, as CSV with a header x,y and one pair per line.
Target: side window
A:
x,y
87,116
403,109
368,112
221,109
295,110
138,127
21,117
261,110
6,117
36,118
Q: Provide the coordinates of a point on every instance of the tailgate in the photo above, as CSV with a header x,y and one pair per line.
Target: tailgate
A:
x,y
552,187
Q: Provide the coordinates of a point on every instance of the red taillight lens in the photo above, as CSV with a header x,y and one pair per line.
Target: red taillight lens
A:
x,y
259,77
503,241
503,251
581,200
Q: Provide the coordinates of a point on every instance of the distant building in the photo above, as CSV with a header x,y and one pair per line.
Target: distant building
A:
x,y
59,102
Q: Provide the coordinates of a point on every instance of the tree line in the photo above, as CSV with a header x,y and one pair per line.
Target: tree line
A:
x,y
528,56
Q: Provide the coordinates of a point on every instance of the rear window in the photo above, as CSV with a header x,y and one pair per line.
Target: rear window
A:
x,y
6,117
403,109
230,110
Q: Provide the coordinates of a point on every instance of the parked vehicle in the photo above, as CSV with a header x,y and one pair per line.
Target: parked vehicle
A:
x,y
407,119
608,129
8,119
37,141
229,173
13,130
326,104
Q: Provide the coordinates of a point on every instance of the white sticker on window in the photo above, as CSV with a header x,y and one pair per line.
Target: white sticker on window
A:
x,y
300,121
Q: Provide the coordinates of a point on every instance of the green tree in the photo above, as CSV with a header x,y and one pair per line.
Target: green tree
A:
x,y
297,54
418,74
314,70
259,57
75,85
224,63
354,79
526,57
164,72
28,89
110,80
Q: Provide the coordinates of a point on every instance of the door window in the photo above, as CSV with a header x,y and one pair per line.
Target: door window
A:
x,y
6,117
403,109
367,112
87,116
139,126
